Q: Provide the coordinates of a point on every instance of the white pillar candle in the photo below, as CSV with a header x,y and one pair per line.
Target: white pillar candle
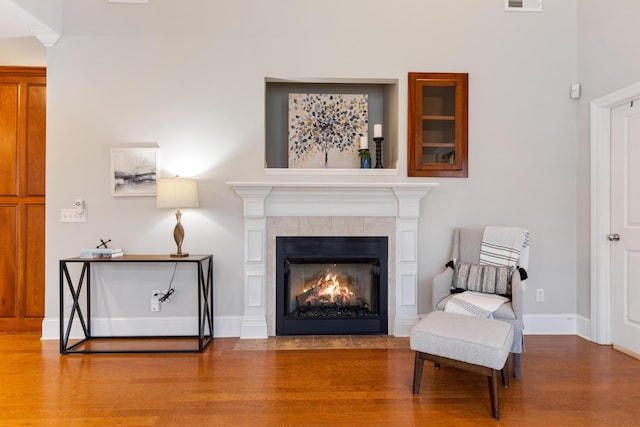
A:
x,y
377,131
364,144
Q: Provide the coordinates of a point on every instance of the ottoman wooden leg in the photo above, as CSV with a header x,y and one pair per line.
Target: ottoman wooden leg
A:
x,y
417,373
493,394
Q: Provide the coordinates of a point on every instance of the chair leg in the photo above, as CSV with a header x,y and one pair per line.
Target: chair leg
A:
x,y
505,373
493,394
516,365
417,373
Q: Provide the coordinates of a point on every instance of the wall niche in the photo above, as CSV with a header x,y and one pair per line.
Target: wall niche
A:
x,y
382,106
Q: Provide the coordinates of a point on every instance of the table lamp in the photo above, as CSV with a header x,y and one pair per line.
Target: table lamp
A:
x,y
177,193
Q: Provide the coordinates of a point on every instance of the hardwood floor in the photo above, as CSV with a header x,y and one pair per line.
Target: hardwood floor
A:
x,y
566,381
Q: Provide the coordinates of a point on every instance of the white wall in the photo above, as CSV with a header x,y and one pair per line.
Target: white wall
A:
x,y
22,51
608,35
190,76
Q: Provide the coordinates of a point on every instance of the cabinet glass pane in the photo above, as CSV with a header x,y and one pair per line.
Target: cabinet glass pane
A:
x,y
432,155
439,131
438,101
438,124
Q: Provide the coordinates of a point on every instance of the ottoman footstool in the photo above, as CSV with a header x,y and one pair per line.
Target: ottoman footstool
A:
x,y
471,343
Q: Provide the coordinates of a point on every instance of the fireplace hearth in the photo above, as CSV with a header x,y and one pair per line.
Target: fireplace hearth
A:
x,y
331,285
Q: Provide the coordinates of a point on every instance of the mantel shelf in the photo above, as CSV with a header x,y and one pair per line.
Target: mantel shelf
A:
x,y
332,186
331,198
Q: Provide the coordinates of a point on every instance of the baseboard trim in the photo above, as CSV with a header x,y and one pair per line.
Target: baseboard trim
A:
x,y
583,327
550,324
231,326
403,325
223,326
627,351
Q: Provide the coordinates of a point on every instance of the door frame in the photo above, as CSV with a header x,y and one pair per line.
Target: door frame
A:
x,y
601,209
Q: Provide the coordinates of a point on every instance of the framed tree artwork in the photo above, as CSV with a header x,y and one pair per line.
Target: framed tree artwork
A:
x,y
325,129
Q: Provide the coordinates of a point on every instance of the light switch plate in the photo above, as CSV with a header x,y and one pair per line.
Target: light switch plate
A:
x,y
575,91
71,215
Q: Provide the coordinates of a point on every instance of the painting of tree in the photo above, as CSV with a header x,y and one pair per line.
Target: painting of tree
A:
x,y
325,129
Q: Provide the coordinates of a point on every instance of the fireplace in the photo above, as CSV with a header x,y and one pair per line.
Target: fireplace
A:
x,y
326,208
331,285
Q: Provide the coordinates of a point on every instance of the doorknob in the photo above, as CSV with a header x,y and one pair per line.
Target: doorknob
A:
x,y
613,237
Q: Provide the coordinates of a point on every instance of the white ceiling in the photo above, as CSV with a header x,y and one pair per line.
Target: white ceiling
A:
x,y
15,21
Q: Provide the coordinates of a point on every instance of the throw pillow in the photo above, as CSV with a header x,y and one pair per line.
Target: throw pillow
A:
x,y
488,279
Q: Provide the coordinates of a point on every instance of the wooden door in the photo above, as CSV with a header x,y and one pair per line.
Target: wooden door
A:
x,y
625,228
22,197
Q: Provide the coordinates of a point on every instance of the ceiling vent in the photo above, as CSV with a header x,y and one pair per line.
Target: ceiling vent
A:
x,y
523,5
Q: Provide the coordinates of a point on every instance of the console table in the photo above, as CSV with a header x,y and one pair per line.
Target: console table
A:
x,y
204,266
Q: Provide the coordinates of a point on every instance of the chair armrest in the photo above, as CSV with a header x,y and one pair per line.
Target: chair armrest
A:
x,y
518,287
441,286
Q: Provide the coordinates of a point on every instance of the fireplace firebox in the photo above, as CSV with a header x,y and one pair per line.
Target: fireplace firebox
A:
x,y
331,285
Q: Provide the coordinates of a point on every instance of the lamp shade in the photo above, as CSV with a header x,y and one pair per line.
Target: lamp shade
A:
x,y
177,193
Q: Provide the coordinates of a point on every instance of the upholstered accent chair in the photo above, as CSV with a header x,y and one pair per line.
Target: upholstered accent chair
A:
x,y
466,248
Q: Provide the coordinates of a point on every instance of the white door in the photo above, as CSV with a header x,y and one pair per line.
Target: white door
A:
x,y
625,223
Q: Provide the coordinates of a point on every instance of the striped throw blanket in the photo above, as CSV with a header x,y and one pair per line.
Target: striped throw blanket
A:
x,y
475,304
502,245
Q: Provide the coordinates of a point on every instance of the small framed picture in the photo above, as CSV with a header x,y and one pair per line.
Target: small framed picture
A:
x,y
134,171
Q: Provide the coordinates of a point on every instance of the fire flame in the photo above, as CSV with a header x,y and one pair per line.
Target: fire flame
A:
x,y
332,288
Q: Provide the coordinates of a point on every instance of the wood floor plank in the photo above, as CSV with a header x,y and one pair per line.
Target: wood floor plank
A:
x,y
566,381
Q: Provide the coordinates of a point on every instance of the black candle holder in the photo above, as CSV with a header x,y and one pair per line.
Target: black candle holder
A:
x,y
378,141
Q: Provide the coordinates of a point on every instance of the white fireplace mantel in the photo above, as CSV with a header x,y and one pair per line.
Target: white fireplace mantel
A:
x,y
297,199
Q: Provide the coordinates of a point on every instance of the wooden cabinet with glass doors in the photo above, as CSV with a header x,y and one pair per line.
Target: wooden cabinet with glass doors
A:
x,y
437,128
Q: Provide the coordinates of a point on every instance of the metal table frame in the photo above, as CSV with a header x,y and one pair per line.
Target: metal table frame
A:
x,y
204,265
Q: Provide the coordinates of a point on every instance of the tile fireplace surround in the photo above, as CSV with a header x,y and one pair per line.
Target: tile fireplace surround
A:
x,y
329,209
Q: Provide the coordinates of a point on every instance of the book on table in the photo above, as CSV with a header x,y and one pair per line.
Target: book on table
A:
x,y
101,253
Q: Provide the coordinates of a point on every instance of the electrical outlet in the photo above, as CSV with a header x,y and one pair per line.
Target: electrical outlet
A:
x,y
155,299
155,303
539,295
72,215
